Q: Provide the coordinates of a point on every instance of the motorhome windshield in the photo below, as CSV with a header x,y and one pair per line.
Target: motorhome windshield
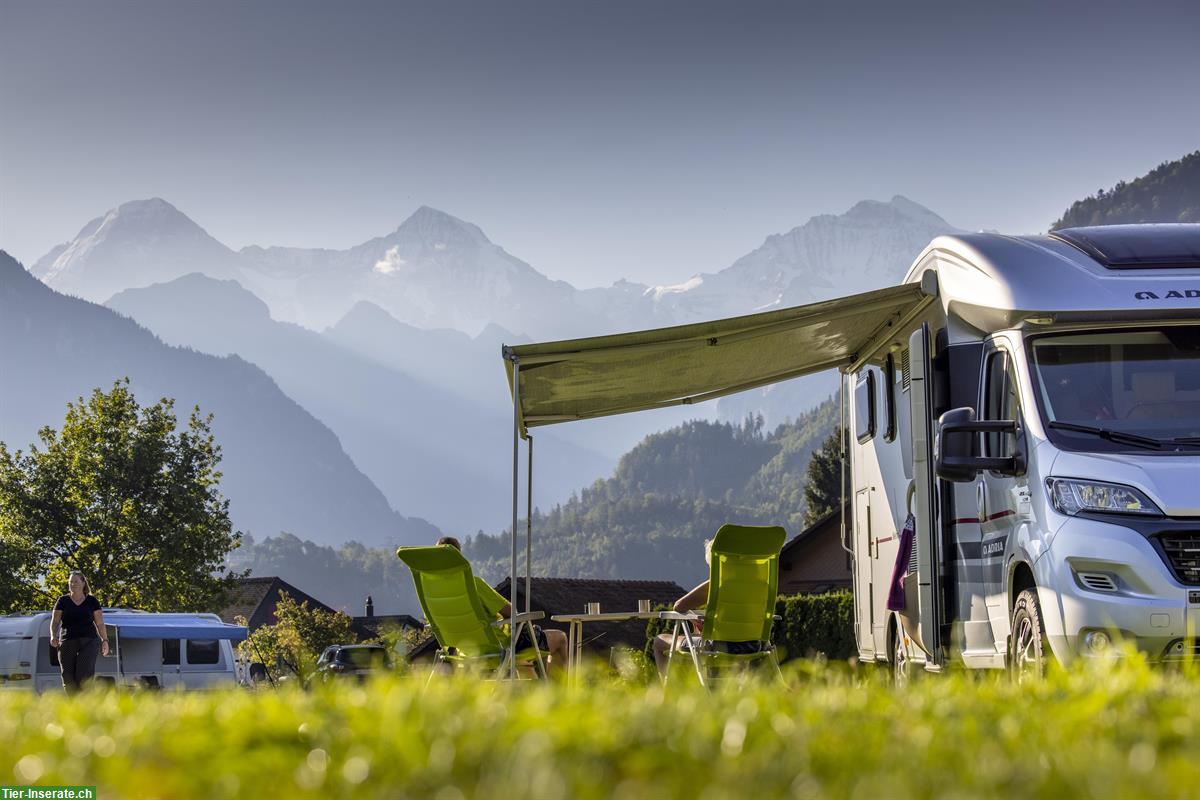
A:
x,y
1121,390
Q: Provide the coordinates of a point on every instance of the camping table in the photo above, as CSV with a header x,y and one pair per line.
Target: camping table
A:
x,y
575,631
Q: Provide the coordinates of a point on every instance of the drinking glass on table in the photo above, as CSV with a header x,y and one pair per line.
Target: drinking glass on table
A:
x,y
593,608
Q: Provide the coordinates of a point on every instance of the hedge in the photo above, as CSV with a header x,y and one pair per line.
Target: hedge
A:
x,y
812,624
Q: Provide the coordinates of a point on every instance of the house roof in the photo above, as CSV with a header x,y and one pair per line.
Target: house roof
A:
x,y
255,599
370,627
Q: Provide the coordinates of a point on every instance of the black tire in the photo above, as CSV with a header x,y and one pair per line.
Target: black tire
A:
x,y
1029,652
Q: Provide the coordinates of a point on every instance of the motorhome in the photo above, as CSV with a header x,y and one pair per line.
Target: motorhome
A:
x,y
146,649
1038,416
1031,402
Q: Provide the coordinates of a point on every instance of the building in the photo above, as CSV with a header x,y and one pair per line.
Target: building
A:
x,y
814,561
256,599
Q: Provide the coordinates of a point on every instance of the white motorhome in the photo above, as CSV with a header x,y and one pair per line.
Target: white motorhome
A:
x,y
1033,402
1039,416
148,650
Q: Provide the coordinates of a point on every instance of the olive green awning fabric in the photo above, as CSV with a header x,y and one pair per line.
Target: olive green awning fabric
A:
x,y
604,375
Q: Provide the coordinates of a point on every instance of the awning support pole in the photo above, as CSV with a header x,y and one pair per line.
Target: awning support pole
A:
x,y
512,581
529,529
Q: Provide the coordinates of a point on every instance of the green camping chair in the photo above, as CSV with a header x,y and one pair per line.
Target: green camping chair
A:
x,y
742,585
468,637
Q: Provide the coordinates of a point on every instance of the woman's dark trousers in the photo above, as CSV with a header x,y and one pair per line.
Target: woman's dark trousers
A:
x,y
77,657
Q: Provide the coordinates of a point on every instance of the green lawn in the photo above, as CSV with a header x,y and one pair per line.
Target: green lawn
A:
x,y
1121,732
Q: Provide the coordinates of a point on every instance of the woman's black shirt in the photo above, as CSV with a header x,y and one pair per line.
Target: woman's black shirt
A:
x,y
78,622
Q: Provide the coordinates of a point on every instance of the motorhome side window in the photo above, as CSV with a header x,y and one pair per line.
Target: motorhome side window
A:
x,y
1000,403
864,407
203,651
170,651
889,398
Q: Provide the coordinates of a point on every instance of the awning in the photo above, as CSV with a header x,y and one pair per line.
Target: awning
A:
x,y
148,626
604,375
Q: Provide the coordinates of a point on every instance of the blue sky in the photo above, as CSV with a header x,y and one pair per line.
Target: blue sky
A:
x,y
647,140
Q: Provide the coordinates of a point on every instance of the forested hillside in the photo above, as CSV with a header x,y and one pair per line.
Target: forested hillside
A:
x,y
340,577
648,521
1169,193
668,494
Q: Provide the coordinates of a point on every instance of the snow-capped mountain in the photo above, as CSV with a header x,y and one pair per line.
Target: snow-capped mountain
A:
x,y
135,244
435,270
868,247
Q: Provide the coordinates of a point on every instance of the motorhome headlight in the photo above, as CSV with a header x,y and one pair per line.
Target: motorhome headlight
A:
x,y
1071,496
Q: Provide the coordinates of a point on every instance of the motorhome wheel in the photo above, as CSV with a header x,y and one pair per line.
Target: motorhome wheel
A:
x,y
1028,653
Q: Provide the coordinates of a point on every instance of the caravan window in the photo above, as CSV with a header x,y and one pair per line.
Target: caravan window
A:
x,y
170,651
203,651
864,407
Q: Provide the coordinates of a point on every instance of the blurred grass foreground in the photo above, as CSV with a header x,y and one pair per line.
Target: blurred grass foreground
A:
x,y
1104,730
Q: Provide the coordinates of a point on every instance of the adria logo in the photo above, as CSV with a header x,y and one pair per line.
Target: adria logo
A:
x,y
1174,294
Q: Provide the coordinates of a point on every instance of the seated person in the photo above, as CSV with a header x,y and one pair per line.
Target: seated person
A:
x,y
695,600
552,643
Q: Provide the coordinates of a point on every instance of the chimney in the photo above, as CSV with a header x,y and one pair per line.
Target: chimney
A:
x,y
370,606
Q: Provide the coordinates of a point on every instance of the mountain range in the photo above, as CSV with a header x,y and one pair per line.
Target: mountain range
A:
x,y
394,344
437,271
434,451
283,469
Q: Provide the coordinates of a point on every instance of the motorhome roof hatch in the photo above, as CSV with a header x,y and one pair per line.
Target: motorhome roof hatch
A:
x,y
1170,246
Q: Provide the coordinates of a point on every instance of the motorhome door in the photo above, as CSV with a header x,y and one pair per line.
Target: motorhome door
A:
x,y
923,622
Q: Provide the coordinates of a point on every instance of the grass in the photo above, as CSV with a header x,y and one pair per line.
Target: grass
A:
x,y
1102,731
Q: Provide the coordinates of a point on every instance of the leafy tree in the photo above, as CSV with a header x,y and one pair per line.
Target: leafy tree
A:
x,y
123,494
823,490
299,636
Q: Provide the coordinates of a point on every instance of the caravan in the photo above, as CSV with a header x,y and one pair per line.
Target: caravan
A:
x,y
1030,404
1038,416
148,650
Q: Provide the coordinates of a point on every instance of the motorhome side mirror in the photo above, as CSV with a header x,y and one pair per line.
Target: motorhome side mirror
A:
x,y
956,446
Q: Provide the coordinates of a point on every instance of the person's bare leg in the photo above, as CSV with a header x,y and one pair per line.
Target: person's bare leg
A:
x,y
556,643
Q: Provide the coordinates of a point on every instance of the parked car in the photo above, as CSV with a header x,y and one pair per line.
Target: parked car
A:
x,y
352,661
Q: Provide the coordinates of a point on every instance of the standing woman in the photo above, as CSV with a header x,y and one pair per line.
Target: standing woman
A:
x,y
85,636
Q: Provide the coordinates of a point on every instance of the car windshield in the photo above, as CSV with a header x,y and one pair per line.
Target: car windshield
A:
x,y
364,656
1101,390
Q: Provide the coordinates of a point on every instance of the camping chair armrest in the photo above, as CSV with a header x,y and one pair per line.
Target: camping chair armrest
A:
x,y
675,615
528,616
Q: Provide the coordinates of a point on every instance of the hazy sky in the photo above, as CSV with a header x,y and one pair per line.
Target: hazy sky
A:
x,y
647,140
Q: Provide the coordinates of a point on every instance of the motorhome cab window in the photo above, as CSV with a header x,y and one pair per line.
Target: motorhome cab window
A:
x,y
864,407
1145,383
1000,403
203,651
